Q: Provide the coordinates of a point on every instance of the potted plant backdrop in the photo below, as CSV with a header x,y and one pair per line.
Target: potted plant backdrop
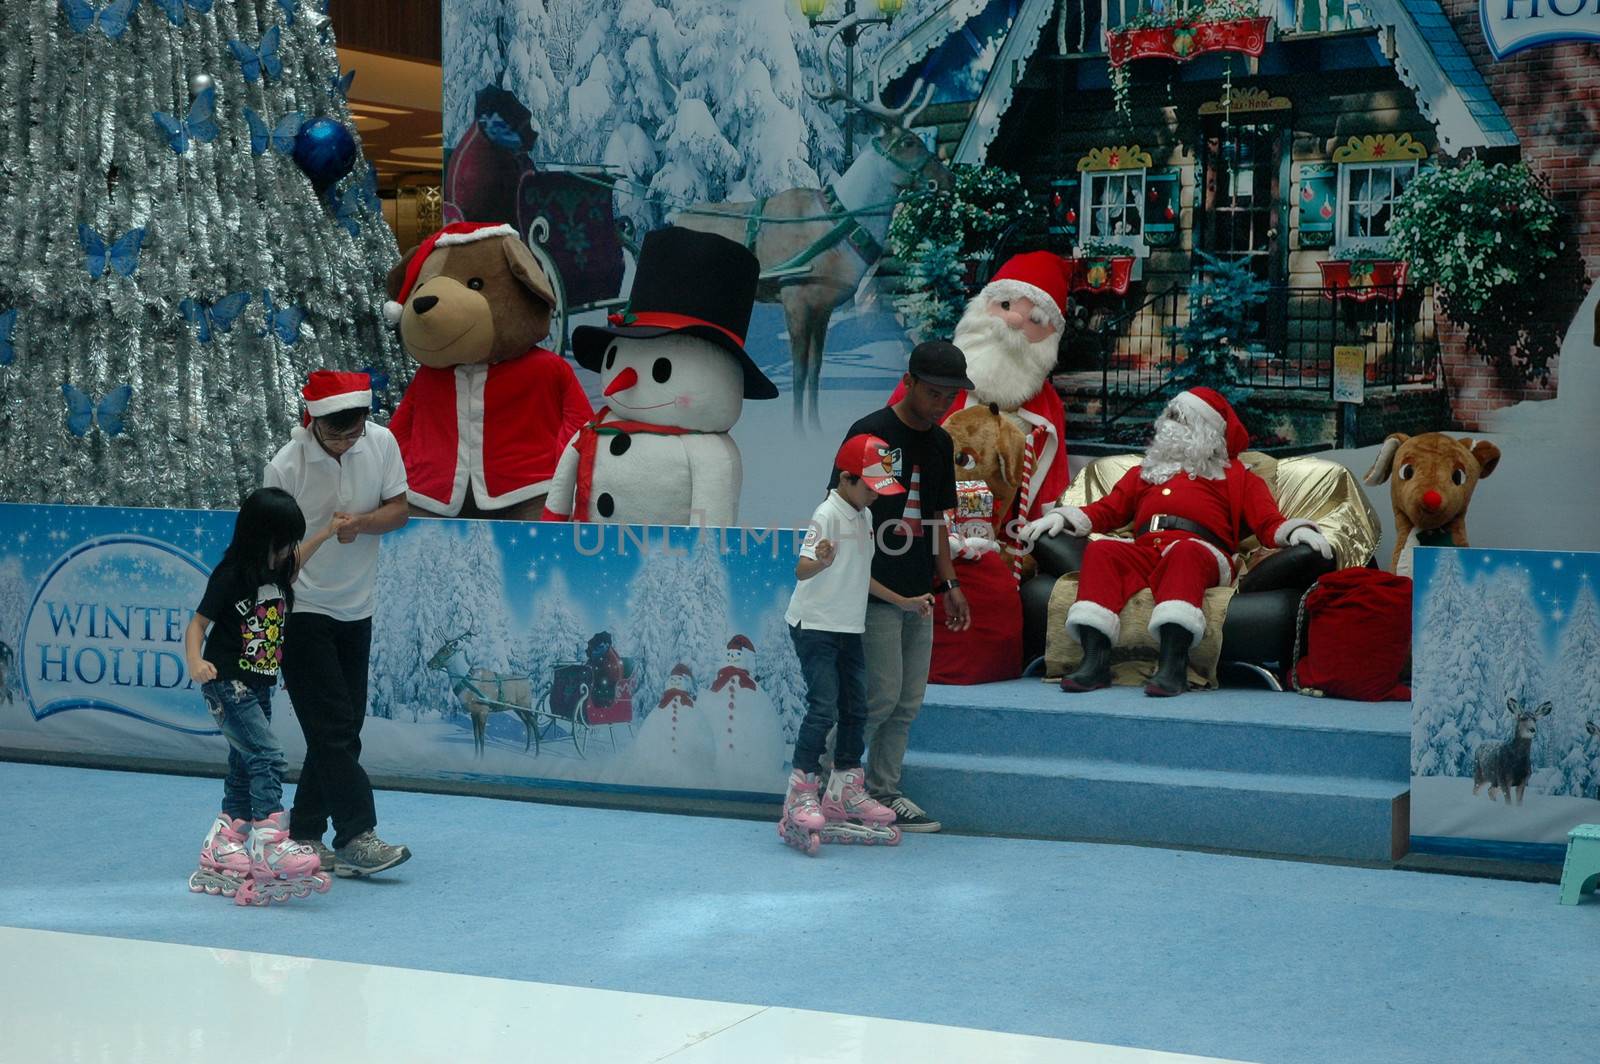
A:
x,y
1363,274
1104,267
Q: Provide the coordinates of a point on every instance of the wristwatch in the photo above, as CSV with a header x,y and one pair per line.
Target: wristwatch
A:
x,y
945,585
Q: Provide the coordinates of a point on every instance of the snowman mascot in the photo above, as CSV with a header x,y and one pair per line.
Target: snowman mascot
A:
x,y
676,746
675,374
750,742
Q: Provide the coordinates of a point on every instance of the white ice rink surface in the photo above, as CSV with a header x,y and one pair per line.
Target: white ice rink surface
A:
x,y
86,998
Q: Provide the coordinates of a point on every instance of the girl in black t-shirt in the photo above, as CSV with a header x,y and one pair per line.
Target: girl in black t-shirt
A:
x,y
246,607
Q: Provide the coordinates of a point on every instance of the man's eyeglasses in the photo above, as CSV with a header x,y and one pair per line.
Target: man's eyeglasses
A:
x,y
350,436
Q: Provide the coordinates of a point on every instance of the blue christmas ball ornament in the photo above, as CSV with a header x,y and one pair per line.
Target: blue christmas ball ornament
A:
x,y
325,151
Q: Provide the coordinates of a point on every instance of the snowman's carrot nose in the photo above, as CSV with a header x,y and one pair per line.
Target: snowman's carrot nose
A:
x,y
623,381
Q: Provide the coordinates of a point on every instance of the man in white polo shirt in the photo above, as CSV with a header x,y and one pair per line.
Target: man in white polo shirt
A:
x,y
337,464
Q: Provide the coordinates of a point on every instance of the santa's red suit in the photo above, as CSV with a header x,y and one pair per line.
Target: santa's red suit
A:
x,y
498,428
1179,564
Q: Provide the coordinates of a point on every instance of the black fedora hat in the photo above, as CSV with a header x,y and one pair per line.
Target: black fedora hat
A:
x,y
687,282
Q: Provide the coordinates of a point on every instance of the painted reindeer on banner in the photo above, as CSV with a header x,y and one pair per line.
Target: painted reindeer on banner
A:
x,y
483,692
823,241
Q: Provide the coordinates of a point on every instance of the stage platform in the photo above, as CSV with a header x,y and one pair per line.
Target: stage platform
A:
x,y
1239,770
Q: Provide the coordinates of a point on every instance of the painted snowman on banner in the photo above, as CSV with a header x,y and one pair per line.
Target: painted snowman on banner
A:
x,y
676,746
675,374
749,732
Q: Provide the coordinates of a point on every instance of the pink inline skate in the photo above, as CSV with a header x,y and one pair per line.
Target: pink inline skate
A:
x,y
802,815
280,868
224,864
853,815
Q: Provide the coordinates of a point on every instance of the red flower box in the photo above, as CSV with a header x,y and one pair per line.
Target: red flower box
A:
x,y
1363,280
1247,35
1102,275
1123,45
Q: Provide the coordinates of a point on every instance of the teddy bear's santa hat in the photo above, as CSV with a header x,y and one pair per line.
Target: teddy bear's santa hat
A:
x,y
454,233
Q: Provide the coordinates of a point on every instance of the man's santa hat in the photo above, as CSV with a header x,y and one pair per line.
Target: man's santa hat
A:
x,y
330,391
1038,276
454,233
1209,407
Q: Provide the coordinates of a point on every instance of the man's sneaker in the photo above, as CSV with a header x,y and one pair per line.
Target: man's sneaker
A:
x,y
366,854
908,815
324,853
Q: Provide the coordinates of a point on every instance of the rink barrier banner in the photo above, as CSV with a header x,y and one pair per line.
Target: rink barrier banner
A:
x,y
539,655
1505,693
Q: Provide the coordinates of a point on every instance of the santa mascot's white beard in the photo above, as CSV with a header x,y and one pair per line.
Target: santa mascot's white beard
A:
x,y
1181,446
1004,366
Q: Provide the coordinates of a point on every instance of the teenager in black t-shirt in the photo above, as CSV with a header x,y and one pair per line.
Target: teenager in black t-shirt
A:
x,y
912,559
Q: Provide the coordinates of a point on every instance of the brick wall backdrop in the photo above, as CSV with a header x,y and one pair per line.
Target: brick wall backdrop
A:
x,y
1551,95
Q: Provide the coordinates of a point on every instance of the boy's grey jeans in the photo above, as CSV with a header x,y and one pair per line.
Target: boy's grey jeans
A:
x,y
898,647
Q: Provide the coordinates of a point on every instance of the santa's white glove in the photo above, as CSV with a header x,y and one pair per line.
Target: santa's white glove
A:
x,y
1069,519
971,548
1312,537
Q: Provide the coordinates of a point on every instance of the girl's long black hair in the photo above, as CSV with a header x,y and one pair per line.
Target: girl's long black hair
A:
x,y
268,521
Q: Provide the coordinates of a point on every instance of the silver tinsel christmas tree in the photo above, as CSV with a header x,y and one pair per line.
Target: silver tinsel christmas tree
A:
x,y
165,371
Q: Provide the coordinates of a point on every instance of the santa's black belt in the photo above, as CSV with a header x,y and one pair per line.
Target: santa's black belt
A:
x,y
1168,523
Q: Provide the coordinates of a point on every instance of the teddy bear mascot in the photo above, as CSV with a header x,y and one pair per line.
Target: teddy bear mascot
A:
x,y
483,422
1188,500
1009,332
675,376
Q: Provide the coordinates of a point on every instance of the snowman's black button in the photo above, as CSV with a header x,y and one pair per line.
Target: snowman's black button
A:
x,y
604,505
620,443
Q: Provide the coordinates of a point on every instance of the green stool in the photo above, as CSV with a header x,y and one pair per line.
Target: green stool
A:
x,y
1582,868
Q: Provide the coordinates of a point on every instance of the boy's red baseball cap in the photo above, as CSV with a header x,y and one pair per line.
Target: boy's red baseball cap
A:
x,y
869,458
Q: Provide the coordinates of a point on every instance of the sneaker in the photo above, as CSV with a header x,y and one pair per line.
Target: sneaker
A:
x,y
324,853
909,815
366,854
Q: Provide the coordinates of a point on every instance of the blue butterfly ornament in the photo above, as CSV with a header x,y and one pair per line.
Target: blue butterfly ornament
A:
x,y
281,136
199,125
288,11
174,8
340,84
122,256
214,317
83,413
8,326
262,63
284,321
112,19
379,382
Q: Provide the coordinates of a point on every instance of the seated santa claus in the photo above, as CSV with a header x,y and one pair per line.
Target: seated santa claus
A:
x,y
1188,500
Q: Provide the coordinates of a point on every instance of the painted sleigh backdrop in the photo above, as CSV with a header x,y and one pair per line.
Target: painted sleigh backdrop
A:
x,y
1505,744
609,656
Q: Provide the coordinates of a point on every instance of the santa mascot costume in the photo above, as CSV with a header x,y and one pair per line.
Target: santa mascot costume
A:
x,y
1188,501
1010,333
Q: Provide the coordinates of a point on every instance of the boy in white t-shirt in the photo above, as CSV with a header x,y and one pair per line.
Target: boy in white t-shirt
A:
x,y
826,616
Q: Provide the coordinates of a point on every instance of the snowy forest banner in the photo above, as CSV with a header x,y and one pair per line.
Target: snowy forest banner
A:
x,y
586,123
1505,741
522,654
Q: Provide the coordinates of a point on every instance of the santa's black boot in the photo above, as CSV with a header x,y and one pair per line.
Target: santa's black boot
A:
x,y
1172,674
1095,672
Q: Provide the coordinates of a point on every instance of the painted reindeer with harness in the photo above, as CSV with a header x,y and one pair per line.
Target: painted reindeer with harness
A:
x,y
837,231
483,692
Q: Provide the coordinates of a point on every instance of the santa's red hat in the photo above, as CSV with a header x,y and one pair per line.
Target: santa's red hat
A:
x,y
1038,276
329,391
454,233
1209,405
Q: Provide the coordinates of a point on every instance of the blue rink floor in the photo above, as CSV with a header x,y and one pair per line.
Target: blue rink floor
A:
x,y
1198,953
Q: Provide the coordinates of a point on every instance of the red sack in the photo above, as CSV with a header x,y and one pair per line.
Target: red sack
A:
x,y
1353,637
990,650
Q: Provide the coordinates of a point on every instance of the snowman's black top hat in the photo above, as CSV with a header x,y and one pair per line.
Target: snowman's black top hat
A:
x,y
687,282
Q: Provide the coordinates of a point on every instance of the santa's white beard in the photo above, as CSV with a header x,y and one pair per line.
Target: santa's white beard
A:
x,y
1004,366
1179,447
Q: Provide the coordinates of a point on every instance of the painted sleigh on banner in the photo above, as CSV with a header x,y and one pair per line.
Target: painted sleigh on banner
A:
x,y
583,696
